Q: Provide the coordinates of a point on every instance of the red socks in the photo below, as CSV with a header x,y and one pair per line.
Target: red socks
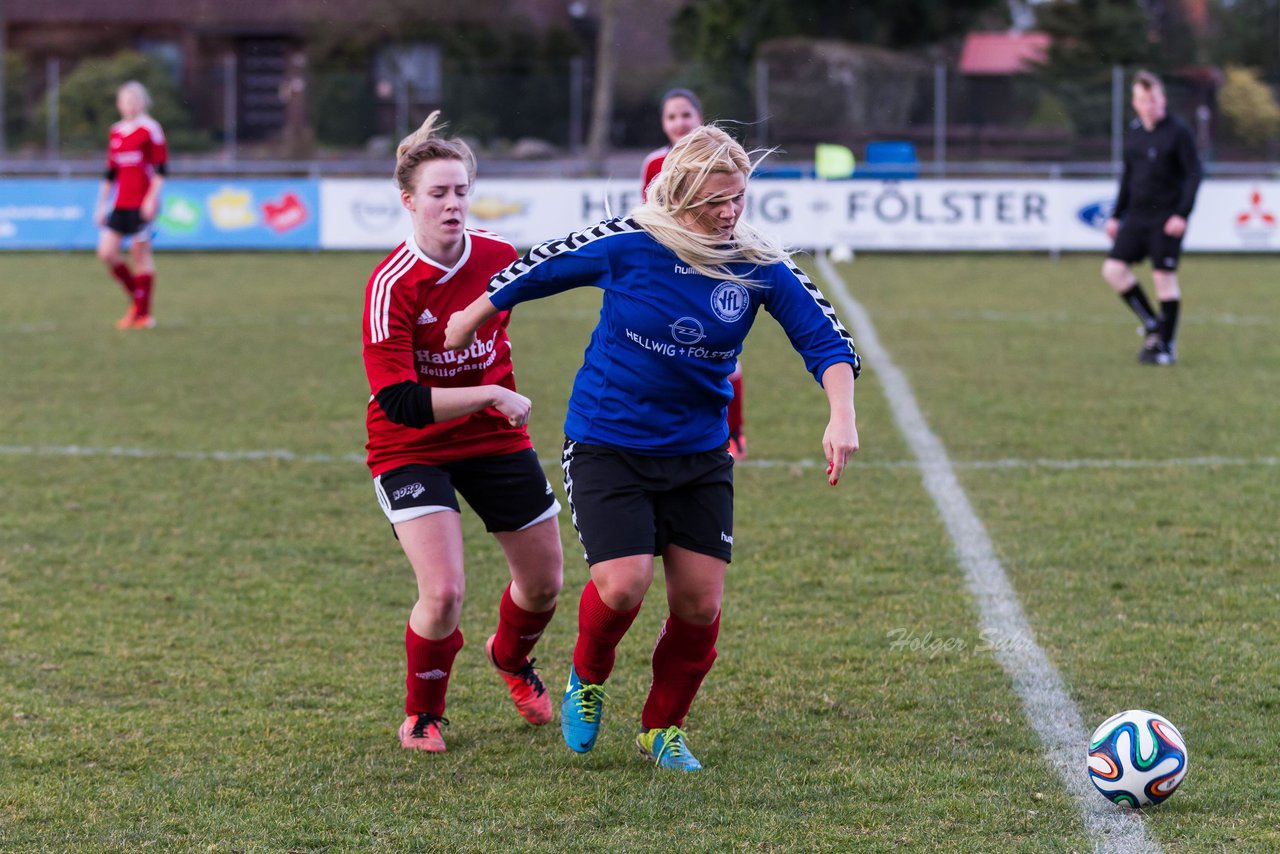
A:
x,y
681,659
683,655
124,277
138,287
518,631
735,405
430,662
600,629
142,293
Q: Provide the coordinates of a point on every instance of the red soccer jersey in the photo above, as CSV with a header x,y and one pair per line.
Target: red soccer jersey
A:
x,y
652,166
407,303
134,151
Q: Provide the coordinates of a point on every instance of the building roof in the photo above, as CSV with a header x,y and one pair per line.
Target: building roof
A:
x,y
1003,53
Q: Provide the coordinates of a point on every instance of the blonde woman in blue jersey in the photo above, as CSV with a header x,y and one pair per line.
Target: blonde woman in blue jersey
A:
x,y
646,465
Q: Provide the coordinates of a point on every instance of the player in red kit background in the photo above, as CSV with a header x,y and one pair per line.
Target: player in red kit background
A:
x,y
441,421
681,113
137,159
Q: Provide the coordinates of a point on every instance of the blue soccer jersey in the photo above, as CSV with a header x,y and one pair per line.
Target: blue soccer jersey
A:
x,y
655,375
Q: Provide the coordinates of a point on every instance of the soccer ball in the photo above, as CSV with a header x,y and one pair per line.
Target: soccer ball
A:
x,y
1137,758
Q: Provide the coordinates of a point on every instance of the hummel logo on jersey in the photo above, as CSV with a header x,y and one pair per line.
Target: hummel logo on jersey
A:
x,y
432,674
413,490
726,538
426,317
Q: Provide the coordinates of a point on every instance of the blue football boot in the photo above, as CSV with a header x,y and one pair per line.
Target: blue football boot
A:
x,y
580,713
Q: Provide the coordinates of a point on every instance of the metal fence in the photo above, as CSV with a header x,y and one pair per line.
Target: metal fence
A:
x,y
266,113
953,120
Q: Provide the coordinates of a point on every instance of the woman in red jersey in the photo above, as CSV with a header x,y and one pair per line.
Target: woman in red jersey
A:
x,y
441,421
137,159
681,113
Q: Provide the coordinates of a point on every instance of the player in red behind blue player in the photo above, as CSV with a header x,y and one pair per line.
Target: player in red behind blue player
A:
x,y
645,458
137,161
441,421
682,112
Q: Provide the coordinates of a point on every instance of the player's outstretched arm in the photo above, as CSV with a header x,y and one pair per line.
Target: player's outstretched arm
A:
x,y
456,402
411,405
460,332
840,441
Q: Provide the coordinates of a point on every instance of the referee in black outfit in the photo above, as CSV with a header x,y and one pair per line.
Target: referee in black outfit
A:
x,y
1157,191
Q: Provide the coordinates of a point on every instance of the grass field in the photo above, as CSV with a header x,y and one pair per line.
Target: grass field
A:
x,y
202,608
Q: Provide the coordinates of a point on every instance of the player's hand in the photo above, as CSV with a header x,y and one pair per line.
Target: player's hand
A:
x,y
513,405
458,333
1112,228
148,208
100,216
839,443
1175,226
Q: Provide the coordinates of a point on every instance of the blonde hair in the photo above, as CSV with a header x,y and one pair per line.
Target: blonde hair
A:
x,y
136,88
674,195
425,144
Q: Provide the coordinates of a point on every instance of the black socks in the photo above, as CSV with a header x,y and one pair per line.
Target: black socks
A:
x,y
1137,302
1169,320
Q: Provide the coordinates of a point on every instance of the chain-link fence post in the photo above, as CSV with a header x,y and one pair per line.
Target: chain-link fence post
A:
x,y
3,45
762,103
229,129
52,74
940,119
1117,117
577,86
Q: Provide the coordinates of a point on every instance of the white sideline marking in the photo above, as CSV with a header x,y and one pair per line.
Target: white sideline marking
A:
x,y
1065,317
44,327
193,322
1047,705
1008,463
752,462
151,453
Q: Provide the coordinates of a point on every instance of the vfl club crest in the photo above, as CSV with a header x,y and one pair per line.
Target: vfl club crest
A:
x,y
729,301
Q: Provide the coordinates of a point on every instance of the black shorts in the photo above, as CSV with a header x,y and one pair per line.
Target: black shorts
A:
x,y
628,504
508,493
129,222
1145,238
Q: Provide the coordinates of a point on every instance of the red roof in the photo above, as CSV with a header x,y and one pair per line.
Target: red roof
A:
x,y
1003,53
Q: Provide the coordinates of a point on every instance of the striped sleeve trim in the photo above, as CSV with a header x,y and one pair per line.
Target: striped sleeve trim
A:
x,y
829,311
560,246
153,128
497,238
380,293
